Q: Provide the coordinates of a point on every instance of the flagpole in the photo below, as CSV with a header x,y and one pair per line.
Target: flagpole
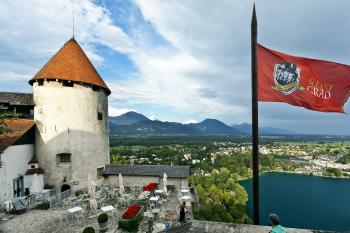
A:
x,y
255,124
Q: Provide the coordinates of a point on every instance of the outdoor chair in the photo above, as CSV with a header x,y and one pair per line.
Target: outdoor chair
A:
x,y
121,201
161,214
66,203
80,217
64,219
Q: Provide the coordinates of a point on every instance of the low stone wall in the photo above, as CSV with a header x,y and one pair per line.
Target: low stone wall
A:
x,y
207,226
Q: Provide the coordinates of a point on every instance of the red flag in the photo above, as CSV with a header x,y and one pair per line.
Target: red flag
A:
x,y
313,84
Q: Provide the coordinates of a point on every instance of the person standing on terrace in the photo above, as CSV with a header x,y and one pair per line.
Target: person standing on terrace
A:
x,y
183,212
275,224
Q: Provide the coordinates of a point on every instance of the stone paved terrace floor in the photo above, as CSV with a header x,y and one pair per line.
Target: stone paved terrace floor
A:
x,y
40,221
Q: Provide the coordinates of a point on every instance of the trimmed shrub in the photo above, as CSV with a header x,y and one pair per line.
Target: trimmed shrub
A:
x,y
102,218
78,193
89,230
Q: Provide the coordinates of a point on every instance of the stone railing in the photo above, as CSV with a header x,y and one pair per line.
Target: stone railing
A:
x,y
186,227
208,226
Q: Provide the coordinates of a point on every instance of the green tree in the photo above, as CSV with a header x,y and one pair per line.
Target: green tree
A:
x,y
3,126
241,196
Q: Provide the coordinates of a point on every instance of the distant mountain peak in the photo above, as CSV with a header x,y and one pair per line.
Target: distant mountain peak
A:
x,y
132,113
133,123
214,126
247,128
128,118
211,120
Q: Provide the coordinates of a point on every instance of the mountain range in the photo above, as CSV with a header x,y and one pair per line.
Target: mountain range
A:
x,y
136,124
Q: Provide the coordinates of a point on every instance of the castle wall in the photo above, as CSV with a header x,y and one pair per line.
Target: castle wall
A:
x,y
67,122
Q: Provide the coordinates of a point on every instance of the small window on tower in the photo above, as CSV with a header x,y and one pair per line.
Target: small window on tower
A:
x,y
32,166
99,116
100,172
63,158
67,84
40,82
95,88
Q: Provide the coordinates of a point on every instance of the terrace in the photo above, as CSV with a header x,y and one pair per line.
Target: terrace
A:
x,y
75,212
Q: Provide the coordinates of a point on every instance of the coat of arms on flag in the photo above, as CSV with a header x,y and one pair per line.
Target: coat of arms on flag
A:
x,y
286,76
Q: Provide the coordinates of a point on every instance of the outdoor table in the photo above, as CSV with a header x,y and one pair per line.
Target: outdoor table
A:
x,y
156,198
148,214
158,227
75,209
156,211
184,190
186,198
125,195
107,208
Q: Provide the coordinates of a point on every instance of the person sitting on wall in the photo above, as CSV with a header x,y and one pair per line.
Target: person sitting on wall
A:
x,y
275,224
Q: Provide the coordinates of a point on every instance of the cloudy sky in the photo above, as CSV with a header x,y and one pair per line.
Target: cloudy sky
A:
x,y
178,60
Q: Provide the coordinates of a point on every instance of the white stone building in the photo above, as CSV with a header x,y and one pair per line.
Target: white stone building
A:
x,y
141,175
16,151
71,117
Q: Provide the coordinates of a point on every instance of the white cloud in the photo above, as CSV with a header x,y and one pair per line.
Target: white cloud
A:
x,y
206,70
190,121
118,111
32,31
192,74
202,69
152,117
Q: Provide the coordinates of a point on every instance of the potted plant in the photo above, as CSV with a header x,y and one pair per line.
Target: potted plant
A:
x,y
150,187
131,218
89,230
143,198
102,220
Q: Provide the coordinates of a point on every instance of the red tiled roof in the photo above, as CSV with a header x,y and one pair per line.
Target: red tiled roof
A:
x,y
71,63
33,160
33,171
17,127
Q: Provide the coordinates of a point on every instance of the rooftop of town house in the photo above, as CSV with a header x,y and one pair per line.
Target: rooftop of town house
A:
x,y
17,128
148,170
16,98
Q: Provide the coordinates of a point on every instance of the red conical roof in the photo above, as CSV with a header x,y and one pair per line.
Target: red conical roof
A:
x,y
33,160
71,63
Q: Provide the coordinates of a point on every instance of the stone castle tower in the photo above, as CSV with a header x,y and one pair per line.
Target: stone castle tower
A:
x,y
71,114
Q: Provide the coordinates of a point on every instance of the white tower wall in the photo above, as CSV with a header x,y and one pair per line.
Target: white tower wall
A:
x,y
67,122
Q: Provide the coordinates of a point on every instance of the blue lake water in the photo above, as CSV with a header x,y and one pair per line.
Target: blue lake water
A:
x,y
303,201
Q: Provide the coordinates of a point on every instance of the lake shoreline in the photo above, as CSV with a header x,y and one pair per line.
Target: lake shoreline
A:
x,y
296,173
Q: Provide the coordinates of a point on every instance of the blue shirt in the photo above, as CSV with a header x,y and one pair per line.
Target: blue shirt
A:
x,y
278,229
